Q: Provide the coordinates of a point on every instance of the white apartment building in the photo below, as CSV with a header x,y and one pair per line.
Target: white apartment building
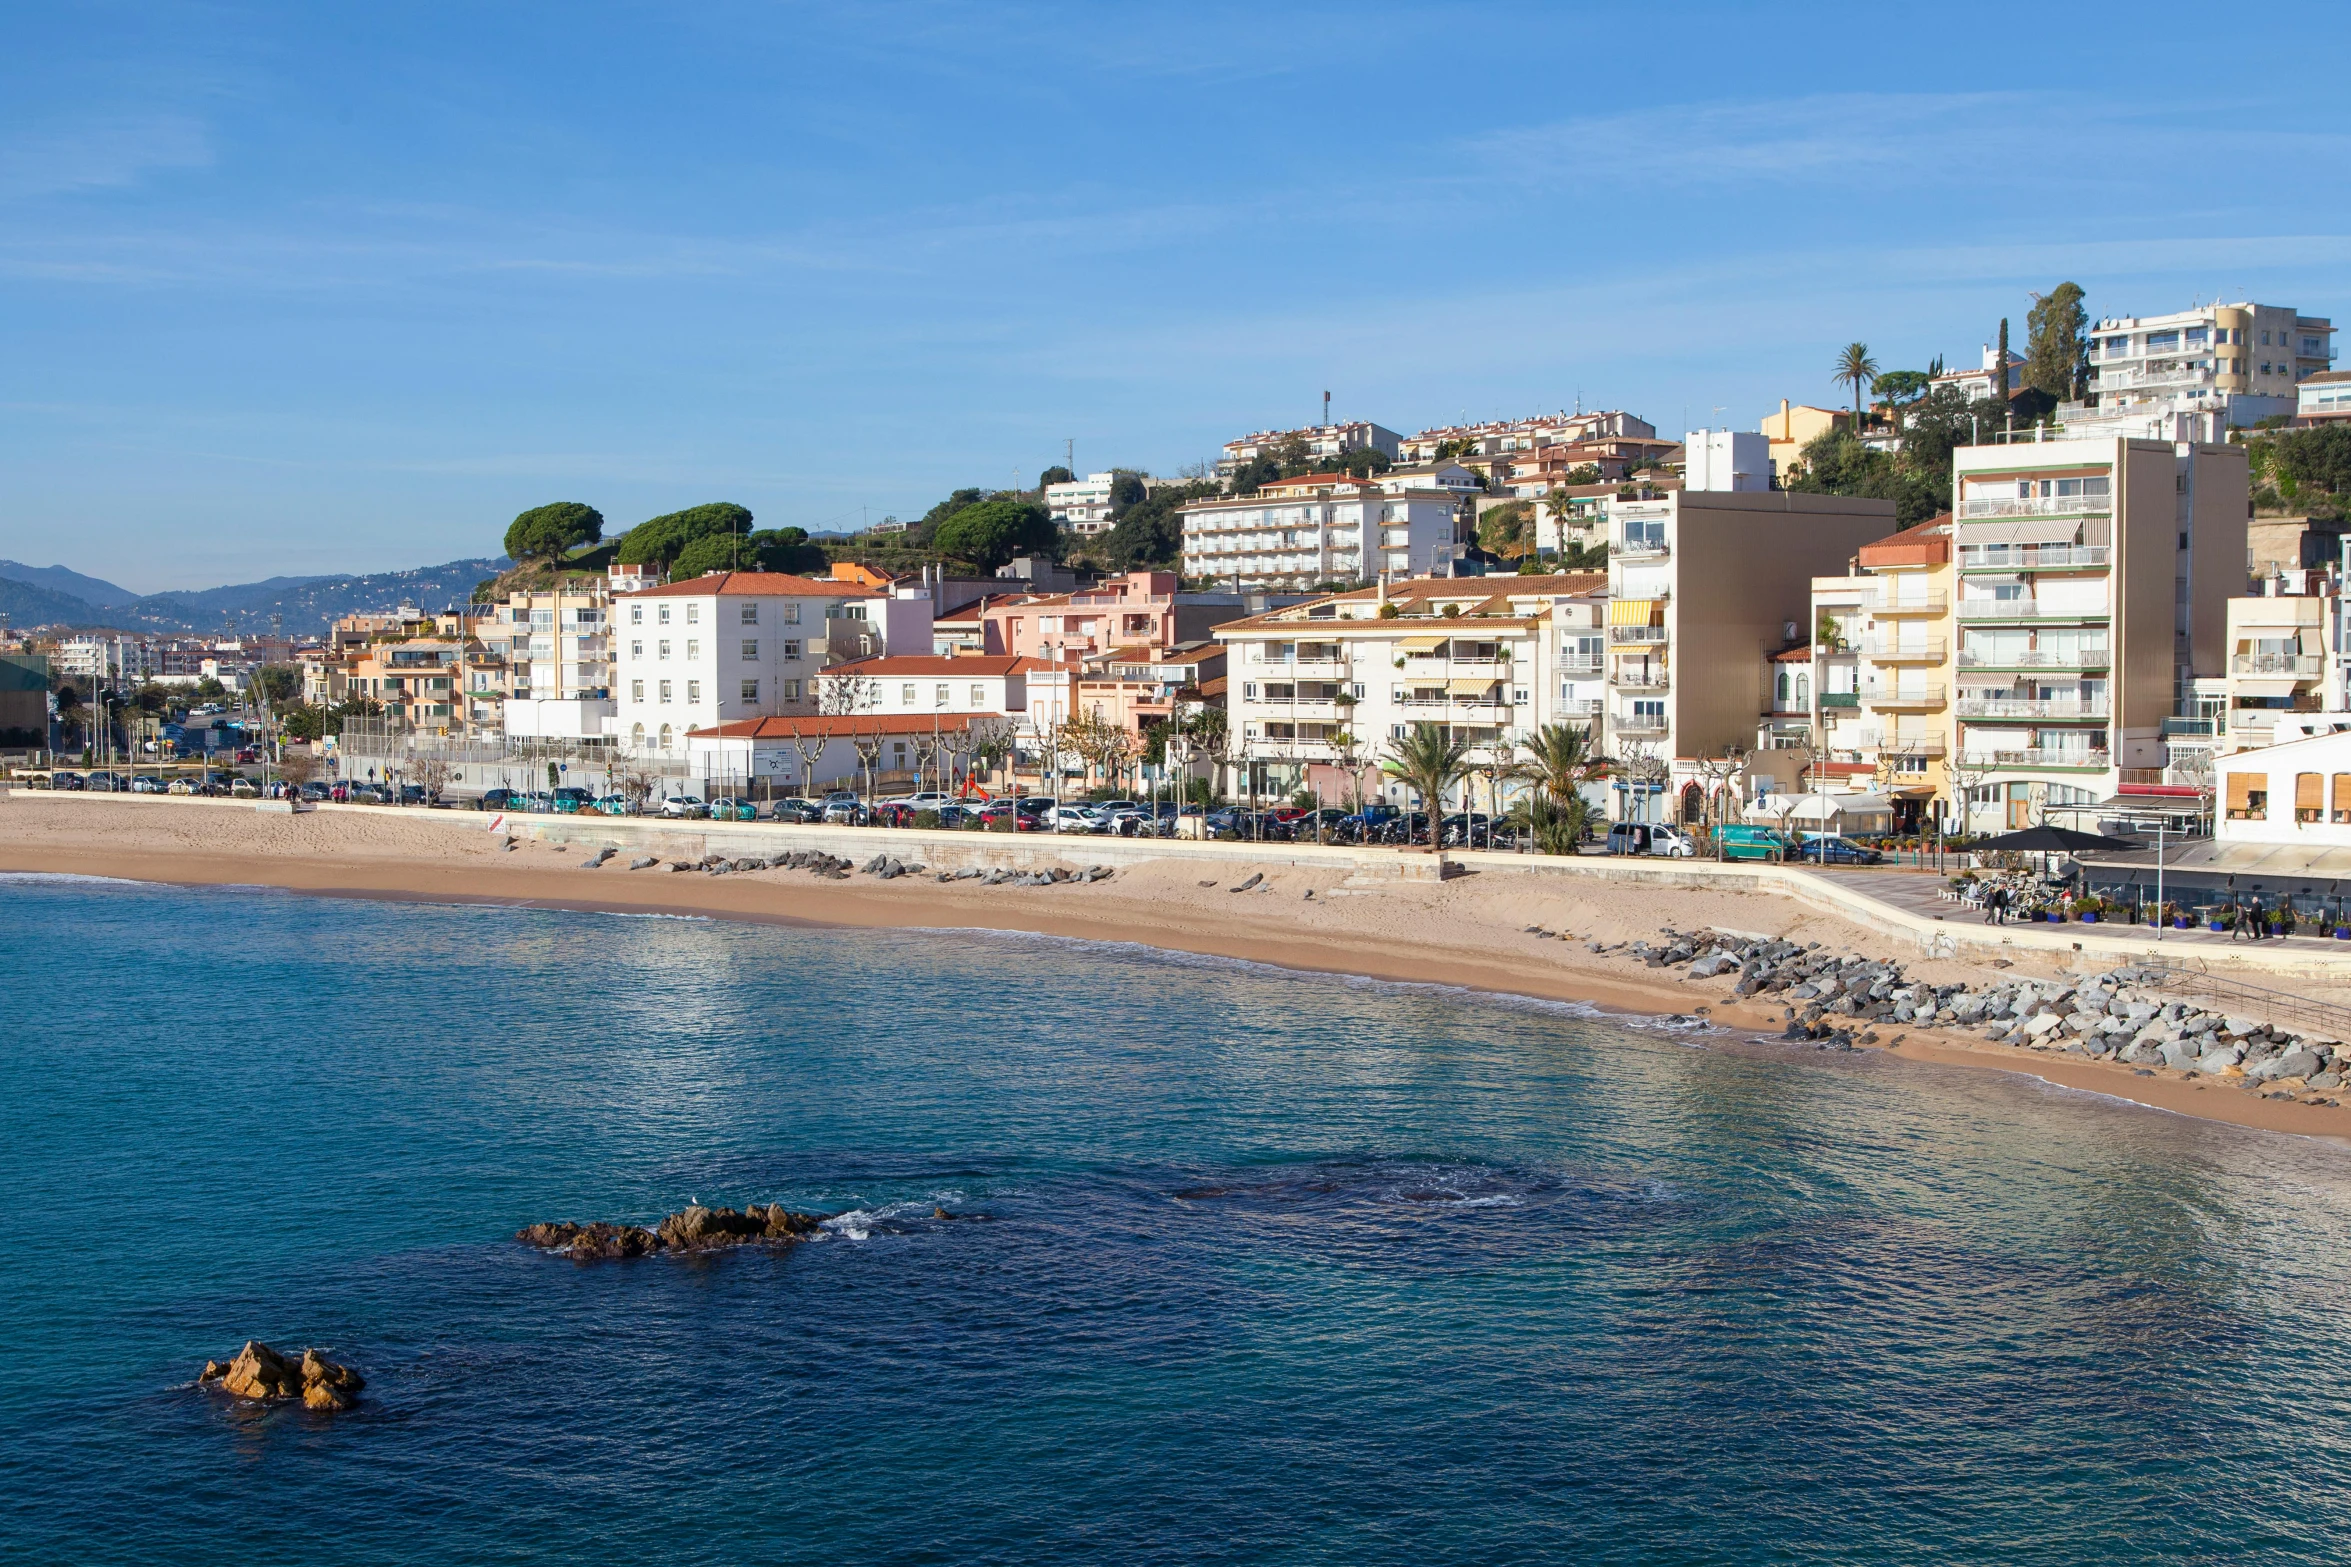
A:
x,y
1496,437
1320,441
1314,692
1320,528
2285,661
2093,577
1082,504
549,666
2324,398
738,645
2220,366
1976,385
975,684
1726,460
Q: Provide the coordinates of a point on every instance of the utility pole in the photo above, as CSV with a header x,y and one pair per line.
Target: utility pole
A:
x,y
1326,408
1069,454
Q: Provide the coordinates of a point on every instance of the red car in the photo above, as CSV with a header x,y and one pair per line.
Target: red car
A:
x,y
992,815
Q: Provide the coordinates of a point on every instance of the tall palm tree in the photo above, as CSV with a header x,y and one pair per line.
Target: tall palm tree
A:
x,y
1431,760
1855,365
1561,760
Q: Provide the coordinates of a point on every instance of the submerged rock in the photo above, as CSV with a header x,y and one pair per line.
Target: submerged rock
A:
x,y
693,1229
259,1372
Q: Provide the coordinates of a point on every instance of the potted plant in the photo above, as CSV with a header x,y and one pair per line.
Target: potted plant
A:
x,y
2089,909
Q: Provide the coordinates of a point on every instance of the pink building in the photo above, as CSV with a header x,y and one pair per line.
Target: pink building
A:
x,y
1143,609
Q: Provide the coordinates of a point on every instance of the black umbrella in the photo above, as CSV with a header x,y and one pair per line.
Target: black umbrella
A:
x,y
2051,840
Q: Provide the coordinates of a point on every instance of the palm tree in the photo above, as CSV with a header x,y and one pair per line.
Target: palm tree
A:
x,y
1855,365
1431,760
1561,761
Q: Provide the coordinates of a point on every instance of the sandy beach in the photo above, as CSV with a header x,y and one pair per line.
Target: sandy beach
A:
x,y
1470,932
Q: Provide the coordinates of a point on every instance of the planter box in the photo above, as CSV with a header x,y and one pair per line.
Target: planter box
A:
x,y
2089,919
2218,924
2054,919
2179,922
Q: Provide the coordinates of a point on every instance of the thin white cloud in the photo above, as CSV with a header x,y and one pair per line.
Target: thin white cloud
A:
x,y
100,154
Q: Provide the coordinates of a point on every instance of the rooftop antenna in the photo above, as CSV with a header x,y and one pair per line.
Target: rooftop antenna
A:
x,y
1326,408
1069,454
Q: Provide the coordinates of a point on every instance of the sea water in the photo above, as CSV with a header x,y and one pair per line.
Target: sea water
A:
x,y
1272,1268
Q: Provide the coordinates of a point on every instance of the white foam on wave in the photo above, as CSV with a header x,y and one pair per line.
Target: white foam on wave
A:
x,y
70,879
858,1223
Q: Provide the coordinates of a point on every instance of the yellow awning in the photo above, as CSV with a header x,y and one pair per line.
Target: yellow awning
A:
x,y
1633,612
1471,687
1421,644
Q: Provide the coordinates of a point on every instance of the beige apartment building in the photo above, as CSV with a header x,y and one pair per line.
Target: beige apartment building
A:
x,y
2093,582
1704,586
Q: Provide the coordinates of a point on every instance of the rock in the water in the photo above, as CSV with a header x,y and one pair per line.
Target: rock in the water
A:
x,y
694,1229
260,1372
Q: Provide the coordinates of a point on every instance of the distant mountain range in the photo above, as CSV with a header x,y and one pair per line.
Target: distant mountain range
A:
x,y
54,596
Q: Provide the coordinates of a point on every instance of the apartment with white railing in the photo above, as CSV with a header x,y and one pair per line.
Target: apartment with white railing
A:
x,y
1316,691
1704,586
1319,529
2224,366
2284,660
2093,578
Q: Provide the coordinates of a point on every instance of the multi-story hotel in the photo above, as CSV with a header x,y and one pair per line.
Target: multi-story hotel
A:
x,y
2233,365
2093,581
1320,442
738,645
1704,585
1321,528
1314,687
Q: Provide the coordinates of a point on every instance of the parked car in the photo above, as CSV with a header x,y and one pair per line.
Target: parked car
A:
x,y
1831,848
1074,818
180,786
570,800
1651,838
498,798
364,794
684,807
147,786
315,791
728,808
244,789
794,809
927,800
996,813
1742,842
894,813
610,805
69,781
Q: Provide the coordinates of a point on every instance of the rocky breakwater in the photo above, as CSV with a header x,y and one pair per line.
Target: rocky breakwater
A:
x,y
261,1373
882,867
2127,1015
694,1229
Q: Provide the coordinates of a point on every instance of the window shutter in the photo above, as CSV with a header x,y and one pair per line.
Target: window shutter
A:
x,y
2342,811
2306,796
2240,791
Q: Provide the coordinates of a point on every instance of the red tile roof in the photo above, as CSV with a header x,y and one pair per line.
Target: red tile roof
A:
x,y
759,584
939,664
839,727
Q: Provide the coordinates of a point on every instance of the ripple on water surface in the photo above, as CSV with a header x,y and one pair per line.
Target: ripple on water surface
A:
x,y
1237,1266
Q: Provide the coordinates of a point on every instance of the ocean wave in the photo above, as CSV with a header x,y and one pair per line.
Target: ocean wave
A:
x,y
72,879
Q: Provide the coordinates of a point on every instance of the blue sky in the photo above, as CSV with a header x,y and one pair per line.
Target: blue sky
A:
x,y
328,288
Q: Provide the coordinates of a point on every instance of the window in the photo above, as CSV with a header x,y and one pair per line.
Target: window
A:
x,y
693,649
662,647
665,698
939,696
906,695
665,730
750,614
637,694
750,647
636,614
791,614
636,650
2307,803
664,614
2248,797
1249,688
979,696
637,737
750,690
693,614
2342,799
788,690
693,690
790,653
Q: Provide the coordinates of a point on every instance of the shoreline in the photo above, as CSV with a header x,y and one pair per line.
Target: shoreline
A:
x,y
1161,905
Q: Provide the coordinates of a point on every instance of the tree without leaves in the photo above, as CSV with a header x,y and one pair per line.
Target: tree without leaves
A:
x,y
553,531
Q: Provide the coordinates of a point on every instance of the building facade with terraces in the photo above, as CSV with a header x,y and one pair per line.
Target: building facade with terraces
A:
x,y
1319,529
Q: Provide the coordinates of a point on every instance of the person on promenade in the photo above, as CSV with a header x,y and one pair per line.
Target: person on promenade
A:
x,y
1994,902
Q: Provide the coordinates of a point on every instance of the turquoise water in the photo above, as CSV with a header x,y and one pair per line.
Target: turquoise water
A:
x,y
1277,1269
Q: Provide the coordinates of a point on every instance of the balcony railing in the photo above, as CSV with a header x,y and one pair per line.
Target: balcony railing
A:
x,y
2031,557
1642,549
2026,609
1638,679
2084,761
1928,650
1904,696
2037,658
1580,666
2029,707
1909,604
2302,666
1580,707
1639,724
1840,699
2034,506
1903,744
2190,728
1635,634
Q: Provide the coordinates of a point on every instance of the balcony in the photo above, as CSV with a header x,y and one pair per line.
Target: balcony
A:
x,y
1840,699
2066,760
1640,723
2035,506
2032,557
1904,744
2025,609
1579,665
1642,680
1920,696
1581,707
1641,549
1910,604
2038,658
1628,635
2030,707
2302,666
2191,728
1920,650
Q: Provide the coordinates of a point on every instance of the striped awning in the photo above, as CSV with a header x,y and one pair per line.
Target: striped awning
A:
x,y
1635,612
1420,644
1471,687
